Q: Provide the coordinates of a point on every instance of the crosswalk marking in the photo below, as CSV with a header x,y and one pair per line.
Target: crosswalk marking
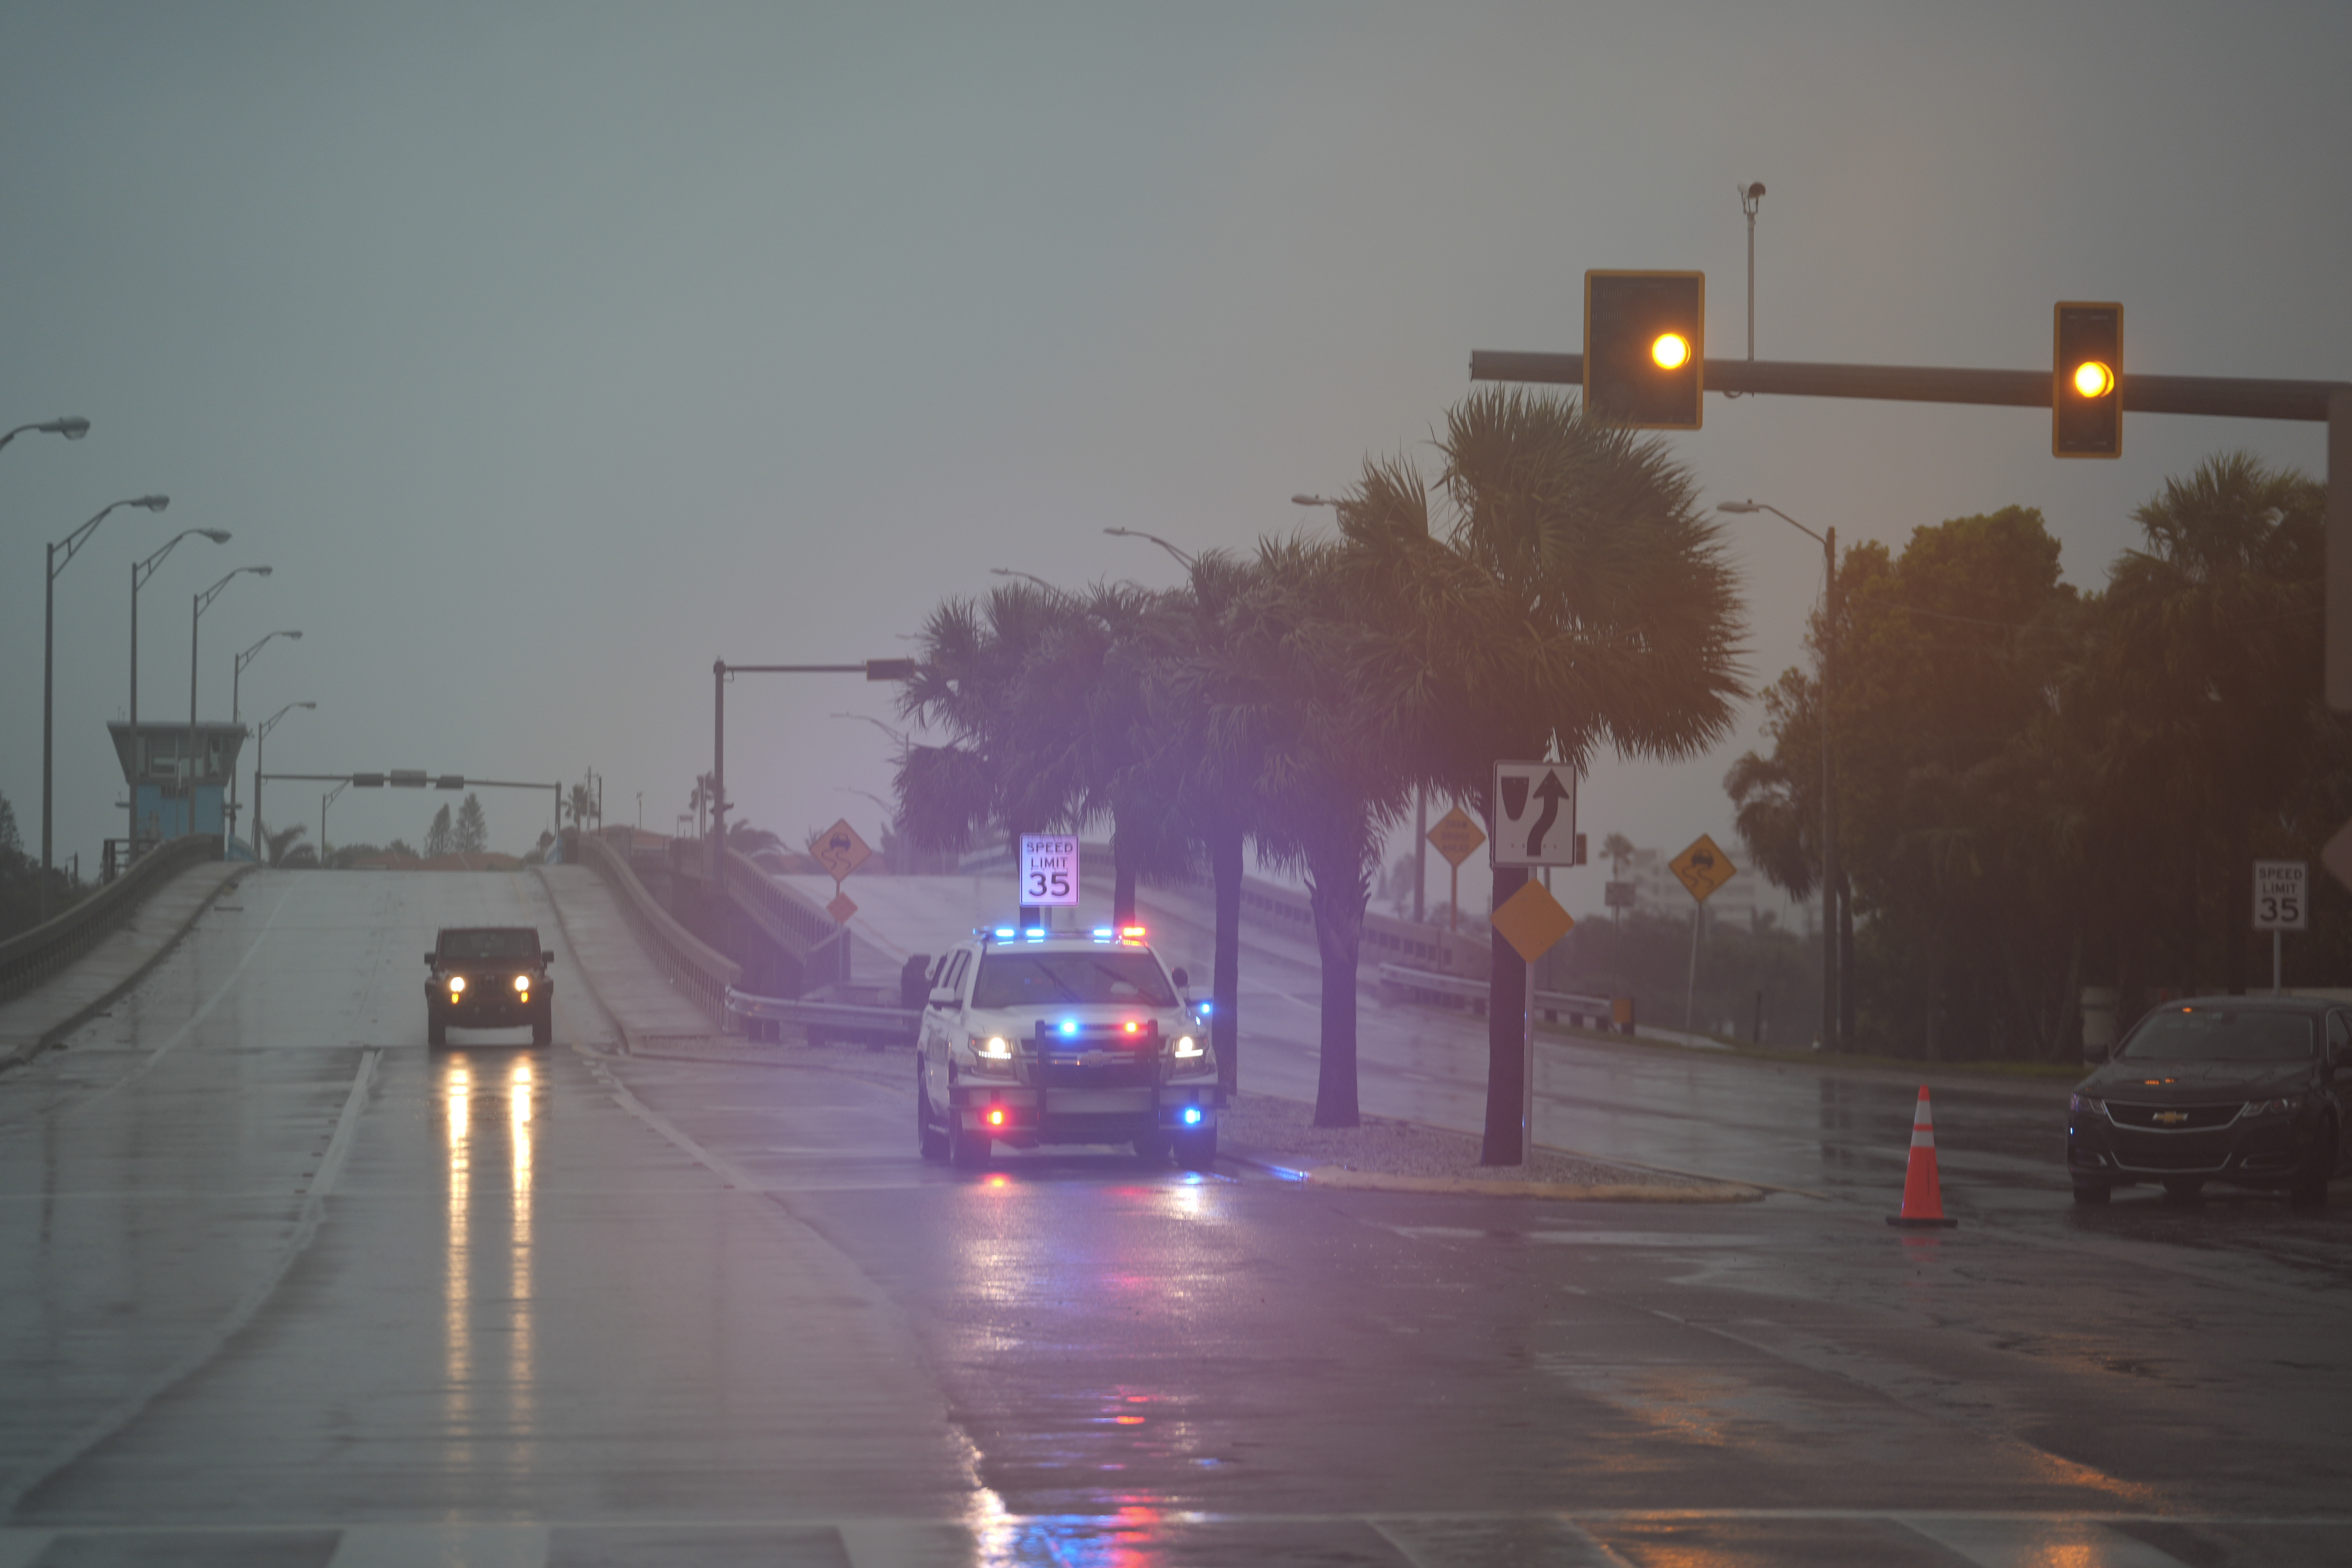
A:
x,y
1563,1538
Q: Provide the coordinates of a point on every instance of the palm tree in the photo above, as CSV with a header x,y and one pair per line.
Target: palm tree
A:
x,y
280,844
1574,596
575,804
1279,695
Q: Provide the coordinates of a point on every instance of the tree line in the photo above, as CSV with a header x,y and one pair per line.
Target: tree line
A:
x,y
1552,590
2040,789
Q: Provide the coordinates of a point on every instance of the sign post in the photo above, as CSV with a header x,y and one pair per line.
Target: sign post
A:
x,y
1458,839
2281,904
1701,869
1535,825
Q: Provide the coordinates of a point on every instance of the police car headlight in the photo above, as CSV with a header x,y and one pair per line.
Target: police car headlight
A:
x,y
1189,1056
991,1055
1189,1047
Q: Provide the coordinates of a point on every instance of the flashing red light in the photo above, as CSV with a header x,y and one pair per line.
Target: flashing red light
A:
x,y
996,1117
1131,1025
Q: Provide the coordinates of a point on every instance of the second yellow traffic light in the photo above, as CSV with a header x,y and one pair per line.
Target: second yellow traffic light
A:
x,y
2087,377
1645,340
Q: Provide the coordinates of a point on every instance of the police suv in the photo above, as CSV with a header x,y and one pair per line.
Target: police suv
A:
x,y
1037,1037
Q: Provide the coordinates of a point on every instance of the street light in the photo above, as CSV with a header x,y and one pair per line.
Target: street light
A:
x,y
198,604
139,572
70,544
261,733
71,429
325,801
1831,1013
235,715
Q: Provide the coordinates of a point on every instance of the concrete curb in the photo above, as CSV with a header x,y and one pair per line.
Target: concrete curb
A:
x,y
1340,1178
628,1047
24,1050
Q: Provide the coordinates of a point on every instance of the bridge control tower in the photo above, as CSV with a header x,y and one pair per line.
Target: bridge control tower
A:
x,y
176,787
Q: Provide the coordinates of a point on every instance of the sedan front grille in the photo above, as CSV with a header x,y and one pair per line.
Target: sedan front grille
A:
x,y
2172,1117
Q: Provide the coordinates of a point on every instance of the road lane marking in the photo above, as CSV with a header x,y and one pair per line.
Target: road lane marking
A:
x,y
193,1360
204,1012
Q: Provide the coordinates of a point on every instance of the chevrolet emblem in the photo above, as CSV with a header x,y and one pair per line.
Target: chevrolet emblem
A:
x,y
2169,1117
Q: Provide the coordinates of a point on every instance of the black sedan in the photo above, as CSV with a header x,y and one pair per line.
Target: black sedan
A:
x,y
2253,1091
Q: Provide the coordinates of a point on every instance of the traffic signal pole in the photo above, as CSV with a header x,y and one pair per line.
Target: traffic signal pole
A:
x,y
2327,403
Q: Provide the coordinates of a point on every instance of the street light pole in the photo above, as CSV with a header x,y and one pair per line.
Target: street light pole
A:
x,y
260,734
198,605
325,801
139,572
236,716
1833,978
70,543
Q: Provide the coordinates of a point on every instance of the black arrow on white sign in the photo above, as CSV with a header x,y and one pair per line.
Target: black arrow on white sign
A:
x,y
1552,792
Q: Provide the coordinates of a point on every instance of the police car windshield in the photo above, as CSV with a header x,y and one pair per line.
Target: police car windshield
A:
x,y
2222,1035
1112,975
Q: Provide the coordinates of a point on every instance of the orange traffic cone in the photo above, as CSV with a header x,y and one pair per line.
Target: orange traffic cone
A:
x,y
1923,1196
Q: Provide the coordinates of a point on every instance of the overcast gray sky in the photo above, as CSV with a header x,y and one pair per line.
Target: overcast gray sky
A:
x,y
550,352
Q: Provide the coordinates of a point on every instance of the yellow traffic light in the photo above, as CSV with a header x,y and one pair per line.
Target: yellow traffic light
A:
x,y
1644,348
2086,400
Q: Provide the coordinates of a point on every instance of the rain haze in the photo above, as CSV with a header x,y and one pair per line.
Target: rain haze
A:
x,y
548,353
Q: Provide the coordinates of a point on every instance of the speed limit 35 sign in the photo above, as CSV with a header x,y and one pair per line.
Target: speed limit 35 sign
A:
x,y
2281,895
1049,869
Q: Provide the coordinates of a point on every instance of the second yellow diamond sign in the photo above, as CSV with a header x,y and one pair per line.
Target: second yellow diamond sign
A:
x,y
1531,921
1703,868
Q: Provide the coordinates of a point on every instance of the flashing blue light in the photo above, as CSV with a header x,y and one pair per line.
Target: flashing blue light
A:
x,y
1192,1116
1035,934
1206,1009
1104,934
1006,934
1069,1026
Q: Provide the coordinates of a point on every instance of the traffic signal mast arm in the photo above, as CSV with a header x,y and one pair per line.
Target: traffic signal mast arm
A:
x,y
2228,397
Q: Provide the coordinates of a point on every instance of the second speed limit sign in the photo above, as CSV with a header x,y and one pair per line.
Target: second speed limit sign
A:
x,y
1049,869
2281,895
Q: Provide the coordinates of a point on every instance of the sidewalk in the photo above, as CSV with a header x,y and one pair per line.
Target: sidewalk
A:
x,y
616,970
35,1021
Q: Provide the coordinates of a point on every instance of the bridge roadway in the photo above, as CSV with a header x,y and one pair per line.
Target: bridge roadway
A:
x,y
284,1287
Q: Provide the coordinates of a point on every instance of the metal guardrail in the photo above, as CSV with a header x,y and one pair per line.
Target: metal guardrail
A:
x,y
30,957
836,1020
695,967
1399,983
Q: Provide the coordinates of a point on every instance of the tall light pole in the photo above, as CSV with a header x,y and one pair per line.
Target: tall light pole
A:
x,y
72,429
198,605
261,733
139,572
325,801
70,543
1832,1013
236,715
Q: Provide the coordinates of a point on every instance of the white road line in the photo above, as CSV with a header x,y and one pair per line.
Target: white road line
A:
x,y
127,1409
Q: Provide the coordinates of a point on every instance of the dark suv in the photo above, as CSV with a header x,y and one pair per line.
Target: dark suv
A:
x,y
488,977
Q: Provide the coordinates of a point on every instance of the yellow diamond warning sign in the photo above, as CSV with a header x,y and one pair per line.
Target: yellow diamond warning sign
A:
x,y
1531,921
1703,868
1455,837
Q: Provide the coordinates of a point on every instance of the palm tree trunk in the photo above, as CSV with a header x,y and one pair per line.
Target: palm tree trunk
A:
x,y
1338,895
1224,1015
1122,893
1846,962
1505,996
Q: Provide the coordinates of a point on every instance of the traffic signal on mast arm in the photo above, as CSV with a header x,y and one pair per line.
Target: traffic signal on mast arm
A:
x,y
1644,348
2087,394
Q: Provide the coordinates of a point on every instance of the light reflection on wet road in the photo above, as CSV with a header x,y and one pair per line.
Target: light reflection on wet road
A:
x,y
275,1264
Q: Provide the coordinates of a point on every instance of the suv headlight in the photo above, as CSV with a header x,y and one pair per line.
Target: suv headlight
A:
x,y
991,1055
457,984
523,983
2087,1105
1189,1053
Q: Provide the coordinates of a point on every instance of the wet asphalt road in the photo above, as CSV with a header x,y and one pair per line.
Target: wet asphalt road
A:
x,y
282,1285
